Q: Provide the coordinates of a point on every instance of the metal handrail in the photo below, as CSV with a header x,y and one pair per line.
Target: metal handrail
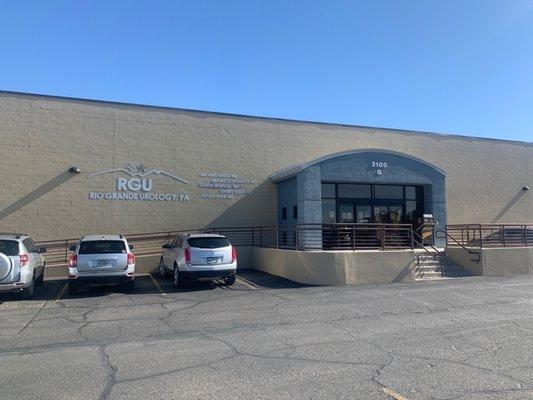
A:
x,y
306,236
447,235
491,235
420,243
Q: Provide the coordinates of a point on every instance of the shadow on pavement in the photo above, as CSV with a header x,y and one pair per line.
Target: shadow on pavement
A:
x,y
56,289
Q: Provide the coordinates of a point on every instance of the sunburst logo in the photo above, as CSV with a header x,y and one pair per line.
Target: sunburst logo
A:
x,y
140,171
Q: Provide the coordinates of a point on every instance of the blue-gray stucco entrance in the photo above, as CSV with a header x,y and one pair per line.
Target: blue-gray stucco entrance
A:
x,y
299,187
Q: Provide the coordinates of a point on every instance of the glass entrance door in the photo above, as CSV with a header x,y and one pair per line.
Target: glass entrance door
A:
x,y
363,214
346,214
371,203
388,214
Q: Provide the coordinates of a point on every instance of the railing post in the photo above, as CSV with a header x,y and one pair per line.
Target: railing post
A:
x,y
253,238
382,237
525,235
411,234
277,236
260,236
502,230
296,237
353,237
480,238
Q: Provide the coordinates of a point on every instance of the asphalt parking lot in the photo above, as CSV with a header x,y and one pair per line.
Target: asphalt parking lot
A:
x,y
267,338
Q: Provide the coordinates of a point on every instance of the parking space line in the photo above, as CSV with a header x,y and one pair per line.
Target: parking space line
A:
x,y
246,282
61,292
157,284
393,394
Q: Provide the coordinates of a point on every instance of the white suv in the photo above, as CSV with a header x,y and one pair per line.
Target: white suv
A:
x,y
21,264
101,260
199,257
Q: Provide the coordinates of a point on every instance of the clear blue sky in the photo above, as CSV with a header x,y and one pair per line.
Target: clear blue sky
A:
x,y
454,66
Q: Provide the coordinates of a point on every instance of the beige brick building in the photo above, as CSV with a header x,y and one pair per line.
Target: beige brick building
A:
x,y
148,169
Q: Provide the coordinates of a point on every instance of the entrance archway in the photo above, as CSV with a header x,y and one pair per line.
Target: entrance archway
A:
x,y
367,185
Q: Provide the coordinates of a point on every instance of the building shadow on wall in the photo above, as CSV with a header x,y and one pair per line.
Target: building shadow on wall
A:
x,y
256,208
508,206
35,194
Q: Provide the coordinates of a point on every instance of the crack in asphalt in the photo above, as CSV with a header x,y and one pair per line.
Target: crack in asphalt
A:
x,y
111,372
173,313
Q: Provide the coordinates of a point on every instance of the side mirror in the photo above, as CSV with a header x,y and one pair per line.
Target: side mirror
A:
x,y
42,249
166,246
131,247
72,248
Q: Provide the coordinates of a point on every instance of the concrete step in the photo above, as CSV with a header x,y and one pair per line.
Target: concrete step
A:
x,y
430,267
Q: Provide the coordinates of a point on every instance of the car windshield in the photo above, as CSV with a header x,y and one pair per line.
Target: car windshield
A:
x,y
9,247
208,242
102,247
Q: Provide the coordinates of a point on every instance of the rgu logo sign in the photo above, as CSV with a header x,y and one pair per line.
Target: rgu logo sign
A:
x,y
137,186
134,184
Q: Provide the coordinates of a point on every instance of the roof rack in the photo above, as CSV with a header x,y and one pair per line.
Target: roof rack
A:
x,y
16,234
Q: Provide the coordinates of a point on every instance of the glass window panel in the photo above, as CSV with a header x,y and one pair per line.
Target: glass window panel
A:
x,y
410,210
346,213
102,247
328,211
381,214
395,214
9,247
388,192
410,193
328,190
363,214
354,191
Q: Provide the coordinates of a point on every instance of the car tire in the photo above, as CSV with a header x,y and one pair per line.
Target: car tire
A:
x,y
162,270
27,293
230,280
40,279
177,277
128,287
73,289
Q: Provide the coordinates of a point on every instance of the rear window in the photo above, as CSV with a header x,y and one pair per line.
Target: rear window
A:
x,y
9,247
102,247
208,242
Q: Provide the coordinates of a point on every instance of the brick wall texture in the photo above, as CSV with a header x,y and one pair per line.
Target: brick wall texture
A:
x,y
42,137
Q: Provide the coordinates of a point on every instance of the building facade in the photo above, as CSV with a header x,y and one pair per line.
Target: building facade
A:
x,y
151,169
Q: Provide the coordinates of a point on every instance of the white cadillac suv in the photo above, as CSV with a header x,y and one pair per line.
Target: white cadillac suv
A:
x,y
199,257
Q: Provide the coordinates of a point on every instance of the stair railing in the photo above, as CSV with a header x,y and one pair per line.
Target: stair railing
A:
x,y
469,251
419,240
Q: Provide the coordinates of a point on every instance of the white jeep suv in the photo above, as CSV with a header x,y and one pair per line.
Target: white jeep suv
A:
x,y
21,264
101,260
199,257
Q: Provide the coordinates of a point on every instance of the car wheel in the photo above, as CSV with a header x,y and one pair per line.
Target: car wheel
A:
x,y
162,270
40,279
178,281
73,289
128,287
230,280
27,293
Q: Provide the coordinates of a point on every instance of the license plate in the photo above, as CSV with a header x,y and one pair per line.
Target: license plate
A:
x,y
102,263
212,260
